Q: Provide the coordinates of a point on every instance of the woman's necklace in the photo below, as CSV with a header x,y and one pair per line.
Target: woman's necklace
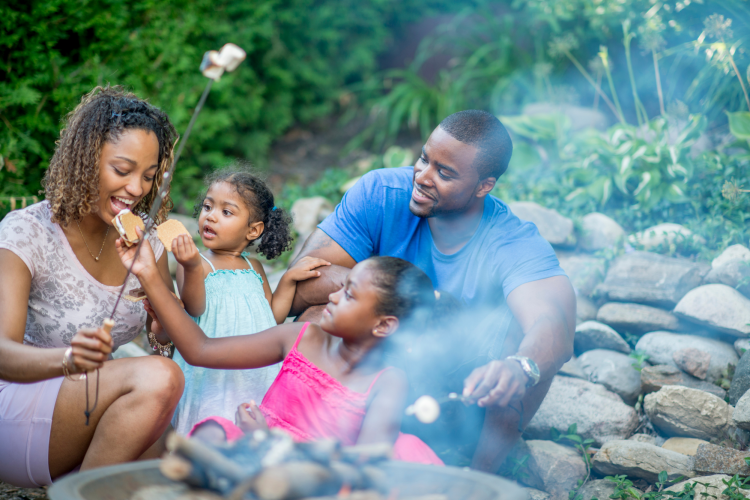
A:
x,y
96,258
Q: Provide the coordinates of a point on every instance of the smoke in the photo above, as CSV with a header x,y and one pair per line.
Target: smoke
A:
x,y
437,354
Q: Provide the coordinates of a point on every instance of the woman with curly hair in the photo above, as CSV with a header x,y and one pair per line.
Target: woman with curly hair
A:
x,y
60,277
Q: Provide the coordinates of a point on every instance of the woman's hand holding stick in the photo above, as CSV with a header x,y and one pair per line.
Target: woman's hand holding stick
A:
x,y
89,349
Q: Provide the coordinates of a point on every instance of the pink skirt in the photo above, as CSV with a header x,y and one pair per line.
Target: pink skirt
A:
x,y
25,422
408,448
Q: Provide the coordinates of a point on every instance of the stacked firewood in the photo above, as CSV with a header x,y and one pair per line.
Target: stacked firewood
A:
x,y
271,466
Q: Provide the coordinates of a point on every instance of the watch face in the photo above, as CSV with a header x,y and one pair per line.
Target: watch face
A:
x,y
534,368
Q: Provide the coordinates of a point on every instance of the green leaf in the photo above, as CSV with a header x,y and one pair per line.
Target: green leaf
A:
x,y
739,124
573,429
663,476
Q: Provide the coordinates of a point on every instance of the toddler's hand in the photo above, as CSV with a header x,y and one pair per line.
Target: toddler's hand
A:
x,y
303,269
185,251
249,418
146,262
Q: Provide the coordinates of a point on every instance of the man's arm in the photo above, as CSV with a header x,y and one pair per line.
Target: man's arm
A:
x,y
315,292
545,310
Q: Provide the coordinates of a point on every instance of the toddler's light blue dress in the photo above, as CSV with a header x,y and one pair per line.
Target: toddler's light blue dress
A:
x,y
235,305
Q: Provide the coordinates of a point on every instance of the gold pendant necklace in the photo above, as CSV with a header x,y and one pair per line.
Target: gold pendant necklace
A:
x,y
96,258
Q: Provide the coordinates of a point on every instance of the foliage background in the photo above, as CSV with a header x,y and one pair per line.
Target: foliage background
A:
x,y
309,60
301,56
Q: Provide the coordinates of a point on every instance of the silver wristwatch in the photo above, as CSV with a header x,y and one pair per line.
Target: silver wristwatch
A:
x,y
529,368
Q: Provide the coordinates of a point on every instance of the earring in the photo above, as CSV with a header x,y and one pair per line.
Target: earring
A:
x,y
375,331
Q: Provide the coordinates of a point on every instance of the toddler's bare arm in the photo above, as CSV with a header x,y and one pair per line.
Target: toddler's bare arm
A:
x,y
190,275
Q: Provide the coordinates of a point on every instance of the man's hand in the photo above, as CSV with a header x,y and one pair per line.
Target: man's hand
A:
x,y
249,418
496,383
185,252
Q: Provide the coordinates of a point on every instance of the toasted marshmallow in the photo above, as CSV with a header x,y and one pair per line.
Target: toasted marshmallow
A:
x,y
230,57
210,66
125,222
227,59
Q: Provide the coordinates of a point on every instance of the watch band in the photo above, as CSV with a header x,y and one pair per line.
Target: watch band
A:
x,y
529,368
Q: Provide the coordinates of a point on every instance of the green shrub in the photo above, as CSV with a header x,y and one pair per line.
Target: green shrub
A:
x,y
301,56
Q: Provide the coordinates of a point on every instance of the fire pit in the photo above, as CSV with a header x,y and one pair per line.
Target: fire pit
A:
x,y
144,481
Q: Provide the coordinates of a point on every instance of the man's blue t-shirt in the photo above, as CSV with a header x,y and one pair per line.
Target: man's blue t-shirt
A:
x,y
374,218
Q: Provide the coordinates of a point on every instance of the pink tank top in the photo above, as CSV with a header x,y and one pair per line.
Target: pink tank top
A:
x,y
310,404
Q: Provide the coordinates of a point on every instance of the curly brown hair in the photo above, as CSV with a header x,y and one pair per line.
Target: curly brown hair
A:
x,y
72,180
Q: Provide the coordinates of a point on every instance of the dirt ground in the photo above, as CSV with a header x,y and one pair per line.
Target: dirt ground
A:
x,y
8,492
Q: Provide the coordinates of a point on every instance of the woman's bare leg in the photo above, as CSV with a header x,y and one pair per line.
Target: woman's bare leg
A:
x,y
159,447
137,397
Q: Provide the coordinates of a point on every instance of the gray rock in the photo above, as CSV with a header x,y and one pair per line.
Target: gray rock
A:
x,y
307,213
682,411
594,335
599,414
717,306
600,489
649,278
572,369
641,460
712,459
686,446
585,309
711,486
555,228
741,379
654,378
735,274
535,494
741,345
636,318
648,439
733,253
585,272
660,346
614,370
693,361
599,232
554,468
741,414
663,235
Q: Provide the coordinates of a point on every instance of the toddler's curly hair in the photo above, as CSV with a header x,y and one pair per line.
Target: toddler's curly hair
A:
x,y
71,183
277,234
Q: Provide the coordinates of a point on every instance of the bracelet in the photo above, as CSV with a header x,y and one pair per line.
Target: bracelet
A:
x,y
66,362
162,349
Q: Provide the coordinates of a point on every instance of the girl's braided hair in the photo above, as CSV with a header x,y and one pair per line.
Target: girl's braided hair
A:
x,y
71,183
277,234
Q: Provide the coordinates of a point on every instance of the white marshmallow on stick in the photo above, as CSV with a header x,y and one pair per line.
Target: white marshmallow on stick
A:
x,y
425,408
227,59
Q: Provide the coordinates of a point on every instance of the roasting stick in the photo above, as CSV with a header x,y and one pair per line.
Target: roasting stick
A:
x,y
214,64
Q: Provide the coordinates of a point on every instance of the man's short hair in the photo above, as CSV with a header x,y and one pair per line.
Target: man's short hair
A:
x,y
485,132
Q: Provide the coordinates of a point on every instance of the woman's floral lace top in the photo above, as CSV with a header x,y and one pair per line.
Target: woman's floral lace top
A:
x,y
64,297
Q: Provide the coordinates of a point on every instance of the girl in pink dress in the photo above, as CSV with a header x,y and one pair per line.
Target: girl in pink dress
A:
x,y
334,382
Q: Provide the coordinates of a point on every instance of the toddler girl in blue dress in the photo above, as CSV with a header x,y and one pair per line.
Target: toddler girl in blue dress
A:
x,y
228,294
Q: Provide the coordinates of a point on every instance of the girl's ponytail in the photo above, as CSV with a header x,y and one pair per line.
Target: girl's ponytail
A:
x,y
277,236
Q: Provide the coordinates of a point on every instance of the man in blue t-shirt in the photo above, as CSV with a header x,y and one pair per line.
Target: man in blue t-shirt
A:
x,y
439,215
